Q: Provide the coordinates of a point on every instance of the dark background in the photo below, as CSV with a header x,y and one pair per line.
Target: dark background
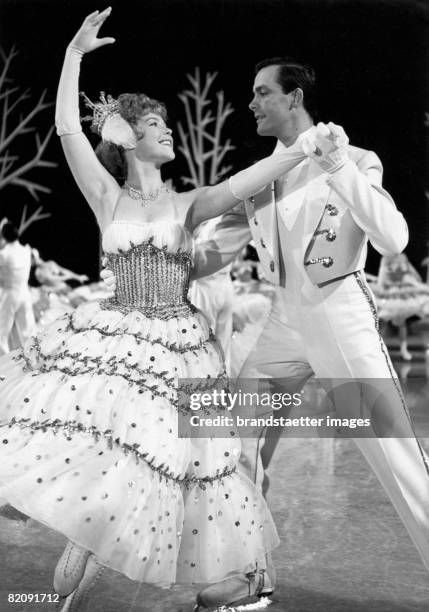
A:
x,y
371,57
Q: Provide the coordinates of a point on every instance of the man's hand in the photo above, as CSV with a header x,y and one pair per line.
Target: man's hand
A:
x,y
328,147
108,277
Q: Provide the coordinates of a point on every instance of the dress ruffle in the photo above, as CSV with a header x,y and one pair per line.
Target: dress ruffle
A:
x,y
90,448
400,301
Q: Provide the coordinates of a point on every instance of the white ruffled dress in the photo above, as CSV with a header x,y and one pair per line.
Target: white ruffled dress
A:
x,y
401,297
88,426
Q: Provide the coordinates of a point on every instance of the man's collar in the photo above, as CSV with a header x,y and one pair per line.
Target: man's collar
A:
x,y
281,147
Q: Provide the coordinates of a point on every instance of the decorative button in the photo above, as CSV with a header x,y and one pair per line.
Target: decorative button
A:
x,y
255,221
272,266
262,243
252,200
332,210
325,261
330,234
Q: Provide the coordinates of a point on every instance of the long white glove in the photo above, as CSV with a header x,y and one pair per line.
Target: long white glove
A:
x,y
115,129
67,118
67,108
328,147
250,181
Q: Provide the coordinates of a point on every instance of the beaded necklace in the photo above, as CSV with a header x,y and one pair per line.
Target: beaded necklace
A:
x,y
145,198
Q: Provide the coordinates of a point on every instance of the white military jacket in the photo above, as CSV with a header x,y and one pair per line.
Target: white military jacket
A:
x,y
344,210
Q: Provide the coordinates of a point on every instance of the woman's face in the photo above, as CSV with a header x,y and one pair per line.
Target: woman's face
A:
x,y
154,140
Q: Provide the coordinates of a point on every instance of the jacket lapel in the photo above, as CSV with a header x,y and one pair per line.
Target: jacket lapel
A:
x,y
262,214
267,218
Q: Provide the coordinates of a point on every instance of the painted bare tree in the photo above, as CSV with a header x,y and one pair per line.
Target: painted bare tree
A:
x,y
425,261
15,123
201,140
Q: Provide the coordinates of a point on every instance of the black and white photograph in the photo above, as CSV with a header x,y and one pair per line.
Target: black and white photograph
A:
x,y
214,305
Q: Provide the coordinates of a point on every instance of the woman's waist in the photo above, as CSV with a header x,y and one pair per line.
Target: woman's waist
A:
x,y
161,309
151,290
153,298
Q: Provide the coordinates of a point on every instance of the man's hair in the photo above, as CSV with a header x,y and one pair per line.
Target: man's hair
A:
x,y
9,232
293,74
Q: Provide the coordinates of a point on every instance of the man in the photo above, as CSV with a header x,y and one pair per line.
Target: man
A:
x,y
311,231
16,309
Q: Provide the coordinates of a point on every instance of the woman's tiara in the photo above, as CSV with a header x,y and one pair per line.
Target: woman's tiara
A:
x,y
101,111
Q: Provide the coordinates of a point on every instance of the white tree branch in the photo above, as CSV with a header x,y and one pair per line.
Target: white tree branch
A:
x,y
25,222
201,144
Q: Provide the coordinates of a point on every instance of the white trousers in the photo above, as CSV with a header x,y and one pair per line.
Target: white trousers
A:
x,y
16,318
333,332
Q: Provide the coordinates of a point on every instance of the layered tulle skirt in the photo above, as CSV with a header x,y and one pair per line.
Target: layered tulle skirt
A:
x,y
400,301
89,446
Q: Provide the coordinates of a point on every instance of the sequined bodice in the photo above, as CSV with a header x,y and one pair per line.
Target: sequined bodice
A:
x,y
151,263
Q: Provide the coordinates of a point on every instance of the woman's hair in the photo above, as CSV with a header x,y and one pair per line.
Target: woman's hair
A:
x,y
113,159
9,232
132,107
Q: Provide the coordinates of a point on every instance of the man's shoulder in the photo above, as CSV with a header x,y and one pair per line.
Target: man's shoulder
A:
x,y
358,154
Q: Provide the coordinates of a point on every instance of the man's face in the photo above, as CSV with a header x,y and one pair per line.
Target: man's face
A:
x,y
270,105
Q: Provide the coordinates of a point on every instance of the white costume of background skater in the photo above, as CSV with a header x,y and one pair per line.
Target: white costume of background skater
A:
x,y
16,309
214,296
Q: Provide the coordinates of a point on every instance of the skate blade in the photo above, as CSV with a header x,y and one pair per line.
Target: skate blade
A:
x,y
261,604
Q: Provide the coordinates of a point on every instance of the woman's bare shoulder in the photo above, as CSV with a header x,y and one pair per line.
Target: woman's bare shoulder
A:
x,y
184,201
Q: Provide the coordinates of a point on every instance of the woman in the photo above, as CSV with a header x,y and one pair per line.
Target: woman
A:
x,y
89,407
54,277
52,295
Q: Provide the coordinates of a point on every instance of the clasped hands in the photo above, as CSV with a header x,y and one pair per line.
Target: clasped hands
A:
x,y
327,144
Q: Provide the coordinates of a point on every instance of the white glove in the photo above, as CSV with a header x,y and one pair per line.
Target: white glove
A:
x,y
108,277
328,147
250,181
67,118
85,39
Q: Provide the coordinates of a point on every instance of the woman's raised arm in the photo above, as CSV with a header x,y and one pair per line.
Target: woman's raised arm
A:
x,y
96,184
